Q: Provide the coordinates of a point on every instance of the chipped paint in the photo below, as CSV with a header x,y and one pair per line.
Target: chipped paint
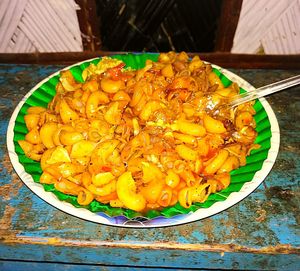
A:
x,y
55,241
6,232
7,164
6,219
262,215
7,191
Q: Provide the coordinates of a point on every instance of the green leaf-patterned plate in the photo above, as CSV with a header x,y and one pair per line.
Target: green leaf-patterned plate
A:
x,y
243,180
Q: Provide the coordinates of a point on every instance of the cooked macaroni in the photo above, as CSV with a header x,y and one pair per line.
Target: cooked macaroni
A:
x,y
143,139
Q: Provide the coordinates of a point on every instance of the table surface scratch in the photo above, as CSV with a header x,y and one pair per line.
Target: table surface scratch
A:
x,y
259,233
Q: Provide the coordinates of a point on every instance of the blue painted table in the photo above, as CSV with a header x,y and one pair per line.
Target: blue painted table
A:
x,y
259,233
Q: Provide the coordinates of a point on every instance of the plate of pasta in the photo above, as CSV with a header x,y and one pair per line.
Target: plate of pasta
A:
x,y
142,140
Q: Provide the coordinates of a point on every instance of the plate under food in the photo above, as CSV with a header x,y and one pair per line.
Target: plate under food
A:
x,y
244,180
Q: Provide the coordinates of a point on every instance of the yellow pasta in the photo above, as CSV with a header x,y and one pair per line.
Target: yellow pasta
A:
x,y
58,155
33,136
167,71
68,82
70,138
172,179
46,134
31,121
151,172
141,139
190,128
67,187
111,86
113,114
127,193
186,153
93,103
102,178
66,113
149,109
85,197
47,178
213,126
36,110
152,191
216,162
82,148
31,151
231,163
103,190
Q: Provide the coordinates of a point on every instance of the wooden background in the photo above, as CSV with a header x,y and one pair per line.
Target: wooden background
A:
x,y
195,26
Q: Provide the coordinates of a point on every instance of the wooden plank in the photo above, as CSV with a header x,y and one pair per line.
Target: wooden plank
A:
x,y
46,266
89,25
228,22
245,61
151,258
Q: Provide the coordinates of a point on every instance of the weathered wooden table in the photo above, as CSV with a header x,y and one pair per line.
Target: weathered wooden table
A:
x,y
259,233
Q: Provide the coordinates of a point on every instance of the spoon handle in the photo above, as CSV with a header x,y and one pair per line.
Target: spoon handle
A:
x,y
265,90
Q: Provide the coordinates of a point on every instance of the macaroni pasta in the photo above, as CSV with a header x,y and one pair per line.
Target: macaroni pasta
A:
x,y
143,139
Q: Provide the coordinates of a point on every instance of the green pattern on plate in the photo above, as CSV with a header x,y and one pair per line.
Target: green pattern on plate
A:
x,y
42,95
